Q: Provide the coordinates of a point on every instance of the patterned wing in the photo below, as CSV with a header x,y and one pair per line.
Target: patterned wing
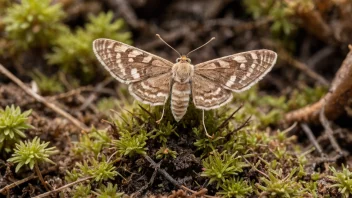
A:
x,y
208,94
154,90
129,64
240,71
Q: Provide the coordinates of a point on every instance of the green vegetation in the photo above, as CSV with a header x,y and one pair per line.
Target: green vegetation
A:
x,y
73,51
32,153
47,85
33,23
109,191
235,188
13,123
342,180
221,166
129,145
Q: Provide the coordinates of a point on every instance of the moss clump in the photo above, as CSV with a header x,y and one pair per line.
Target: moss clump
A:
x,y
221,166
33,23
100,170
92,143
279,11
129,145
12,125
235,188
31,153
108,191
73,51
342,181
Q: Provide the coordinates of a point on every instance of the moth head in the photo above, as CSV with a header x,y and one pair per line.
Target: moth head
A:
x,y
183,59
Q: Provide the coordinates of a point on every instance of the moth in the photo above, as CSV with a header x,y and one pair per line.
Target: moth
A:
x,y
152,79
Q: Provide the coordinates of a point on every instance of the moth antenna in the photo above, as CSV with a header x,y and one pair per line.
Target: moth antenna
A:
x,y
168,44
201,46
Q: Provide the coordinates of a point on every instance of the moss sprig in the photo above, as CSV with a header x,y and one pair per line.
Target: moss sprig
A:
x,y
13,123
221,166
108,191
33,23
342,181
235,188
100,170
31,153
130,145
73,51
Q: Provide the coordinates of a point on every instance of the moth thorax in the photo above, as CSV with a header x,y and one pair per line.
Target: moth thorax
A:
x,y
182,72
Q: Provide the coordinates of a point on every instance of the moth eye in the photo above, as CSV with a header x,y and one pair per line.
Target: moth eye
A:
x,y
189,60
177,60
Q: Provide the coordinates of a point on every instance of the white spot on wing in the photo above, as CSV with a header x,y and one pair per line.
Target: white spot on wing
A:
x,y
134,53
254,56
121,48
230,82
134,73
240,59
147,59
130,60
243,66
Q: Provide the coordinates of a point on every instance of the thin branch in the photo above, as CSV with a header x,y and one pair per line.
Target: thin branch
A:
x,y
19,182
312,139
37,170
63,187
41,99
329,131
223,124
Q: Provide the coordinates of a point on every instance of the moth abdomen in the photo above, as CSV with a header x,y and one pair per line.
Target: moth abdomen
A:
x,y
180,99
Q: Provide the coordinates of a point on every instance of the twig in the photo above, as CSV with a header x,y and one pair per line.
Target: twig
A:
x,y
329,131
244,124
41,99
40,176
70,93
312,139
334,101
88,101
19,182
62,187
223,124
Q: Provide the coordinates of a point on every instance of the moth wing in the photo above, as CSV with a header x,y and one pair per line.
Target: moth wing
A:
x,y
238,72
207,94
154,90
127,63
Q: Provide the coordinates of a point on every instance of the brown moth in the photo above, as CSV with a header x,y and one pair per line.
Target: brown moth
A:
x,y
152,79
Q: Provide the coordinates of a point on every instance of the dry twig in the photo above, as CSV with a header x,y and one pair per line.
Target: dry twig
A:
x,y
41,99
19,182
334,101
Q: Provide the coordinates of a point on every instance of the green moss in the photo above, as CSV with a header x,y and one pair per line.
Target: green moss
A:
x,y
235,188
165,152
108,191
279,185
73,51
279,11
221,166
342,181
100,170
13,123
92,143
47,85
81,191
129,145
31,153
33,23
